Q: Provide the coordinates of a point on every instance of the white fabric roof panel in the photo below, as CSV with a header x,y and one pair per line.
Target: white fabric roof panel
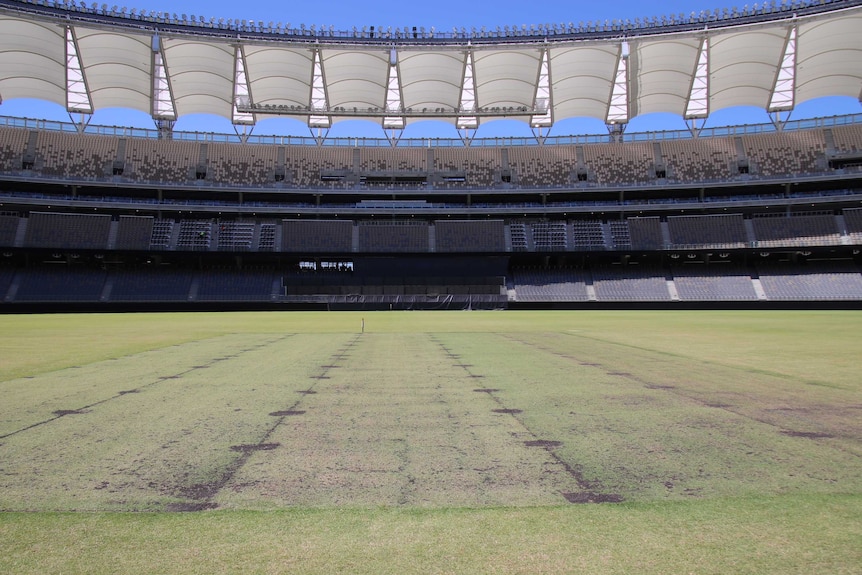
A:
x,y
117,67
279,76
506,78
582,78
743,67
356,79
431,80
660,74
201,76
32,60
829,58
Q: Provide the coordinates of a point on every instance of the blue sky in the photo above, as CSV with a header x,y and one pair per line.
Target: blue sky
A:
x,y
443,15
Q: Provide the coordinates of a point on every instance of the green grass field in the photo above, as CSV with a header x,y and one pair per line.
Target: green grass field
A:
x,y
439,442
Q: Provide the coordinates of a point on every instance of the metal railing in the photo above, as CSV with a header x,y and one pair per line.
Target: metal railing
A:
x,y
367,142
71,10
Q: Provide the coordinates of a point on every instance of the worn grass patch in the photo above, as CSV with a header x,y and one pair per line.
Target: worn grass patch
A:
x,y
598,442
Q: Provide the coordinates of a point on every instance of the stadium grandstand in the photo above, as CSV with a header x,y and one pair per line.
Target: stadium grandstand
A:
x,y
113,217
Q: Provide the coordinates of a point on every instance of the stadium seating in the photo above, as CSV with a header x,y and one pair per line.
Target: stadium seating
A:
x,y
702,159
151,284
88,157
393,236
317,236
470,236
721,282
134,232
61,282
550,285
72,231
588,235
8,229
195,235
235,236
796,230
719,231
571,212
827,281
786,153
236,285
630,283
646,233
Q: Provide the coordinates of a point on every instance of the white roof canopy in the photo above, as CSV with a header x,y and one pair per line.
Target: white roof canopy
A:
x,y
771,65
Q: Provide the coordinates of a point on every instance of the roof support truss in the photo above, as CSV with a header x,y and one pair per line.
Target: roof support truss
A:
x,y
240,90
542,101
394,103
784,90
163,100
618,110
77,95
467,102
319,100
698,95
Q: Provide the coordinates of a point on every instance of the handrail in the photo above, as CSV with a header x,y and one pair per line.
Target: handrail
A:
x,y
366,142
419,35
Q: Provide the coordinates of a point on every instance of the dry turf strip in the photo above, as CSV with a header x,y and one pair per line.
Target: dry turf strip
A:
x,y
521,420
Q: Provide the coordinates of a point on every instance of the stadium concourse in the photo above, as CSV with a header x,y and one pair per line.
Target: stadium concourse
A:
x,y
99,217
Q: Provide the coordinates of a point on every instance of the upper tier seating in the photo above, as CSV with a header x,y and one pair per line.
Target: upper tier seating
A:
x,y
71,155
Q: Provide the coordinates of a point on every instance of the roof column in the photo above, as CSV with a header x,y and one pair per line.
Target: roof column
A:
x,y
467,101
241,93
542,105
783,96
319,99
164,112
394,103
618,109
697,107
77,93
